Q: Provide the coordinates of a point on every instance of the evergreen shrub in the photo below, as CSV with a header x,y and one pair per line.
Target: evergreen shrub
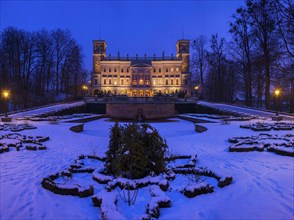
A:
x,y
135,151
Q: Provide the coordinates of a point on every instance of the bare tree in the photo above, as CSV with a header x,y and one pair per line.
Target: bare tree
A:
x,y
243,39
199,59
263,26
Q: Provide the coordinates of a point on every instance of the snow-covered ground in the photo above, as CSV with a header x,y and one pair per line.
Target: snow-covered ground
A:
x,y
245,110
262,188
48,109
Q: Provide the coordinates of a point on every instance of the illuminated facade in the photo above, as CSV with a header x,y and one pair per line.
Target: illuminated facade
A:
x,y
140,76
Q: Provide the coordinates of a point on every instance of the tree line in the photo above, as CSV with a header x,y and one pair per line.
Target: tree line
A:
x,y
258,59
39,66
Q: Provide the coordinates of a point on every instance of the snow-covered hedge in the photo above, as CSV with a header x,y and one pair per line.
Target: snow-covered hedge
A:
x,y
19,141
158,200
107,203
269,126
64,183
282,145
196,189
16,127
66,189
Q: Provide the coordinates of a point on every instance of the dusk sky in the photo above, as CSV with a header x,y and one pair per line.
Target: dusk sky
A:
x,y
127,26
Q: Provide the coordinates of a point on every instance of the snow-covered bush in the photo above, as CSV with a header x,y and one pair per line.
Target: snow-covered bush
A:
x,y
135,150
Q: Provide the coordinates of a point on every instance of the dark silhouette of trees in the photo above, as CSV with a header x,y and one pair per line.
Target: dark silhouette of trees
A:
x,y
243,40
199,61
259,58
37,66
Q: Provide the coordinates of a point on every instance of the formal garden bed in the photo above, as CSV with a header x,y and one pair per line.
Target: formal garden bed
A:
x,y
16,127
19,142
137,172
263,126
228,117
52,117
279,144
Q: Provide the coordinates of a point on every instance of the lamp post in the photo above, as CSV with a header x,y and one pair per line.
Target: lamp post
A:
x,y
196,88
277,93
5,95
85,89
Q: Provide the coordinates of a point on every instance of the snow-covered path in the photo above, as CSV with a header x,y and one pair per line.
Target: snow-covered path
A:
x,y
244,110
48,109
263,184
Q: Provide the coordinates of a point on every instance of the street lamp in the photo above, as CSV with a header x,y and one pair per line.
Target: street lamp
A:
x,y
277,93
5,95
196,88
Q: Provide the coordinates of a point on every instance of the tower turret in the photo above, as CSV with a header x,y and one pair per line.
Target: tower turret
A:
x,y
183,53
99,53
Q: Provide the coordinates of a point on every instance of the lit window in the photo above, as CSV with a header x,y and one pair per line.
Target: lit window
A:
x,y
172,69
154,82
177,69
115,82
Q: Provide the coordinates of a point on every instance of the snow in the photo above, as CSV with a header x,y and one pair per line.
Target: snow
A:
x,y
243,110
48,109
262,181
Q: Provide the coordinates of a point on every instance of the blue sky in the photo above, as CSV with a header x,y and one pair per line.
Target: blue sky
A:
x,y
127,26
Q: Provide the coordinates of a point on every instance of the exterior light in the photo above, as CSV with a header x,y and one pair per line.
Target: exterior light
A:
x,y
5,94
277,92
85,87
196,88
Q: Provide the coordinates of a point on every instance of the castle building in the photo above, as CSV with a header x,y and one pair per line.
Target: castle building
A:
x,y
141,76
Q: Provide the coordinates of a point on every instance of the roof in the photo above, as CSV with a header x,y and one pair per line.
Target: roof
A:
x,y
138,63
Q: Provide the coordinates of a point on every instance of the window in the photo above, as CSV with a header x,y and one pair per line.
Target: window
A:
x,y
114,69
122,70
127,70
166,70
109,69
166,82
177,69
186,82
109,81
177,82
96,82
171,81
104,70
154,70
172,69
104,82
154,82
121,81
159,70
